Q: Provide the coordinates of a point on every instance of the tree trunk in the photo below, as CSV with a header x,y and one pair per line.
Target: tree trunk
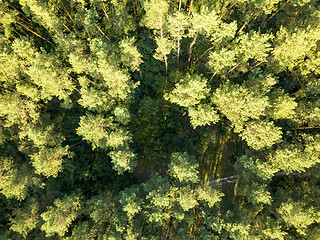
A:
x,y
191,47
178,52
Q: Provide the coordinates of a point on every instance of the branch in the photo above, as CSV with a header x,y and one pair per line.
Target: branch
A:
x,y
17,10
191,46
232,69
213,75
301,128
245,24
104,9
233,179
204,54
278,10
82,21
190,6
101,31
35,33
77,90
57,8
66,11
258,64
227,9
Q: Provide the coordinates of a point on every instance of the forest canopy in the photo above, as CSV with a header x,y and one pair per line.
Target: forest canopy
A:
x,y
160,119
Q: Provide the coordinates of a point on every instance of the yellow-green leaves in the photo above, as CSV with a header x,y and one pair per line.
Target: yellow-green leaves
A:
x,y
164,48
130,55
282,106
25,218
208,23
202,115
186,199
13,181
59,217
190,91
115,80
156,12
6,20
130,201
209,195
123,159
17,110
177,25
254,45
297,158
44,13
260,134
297,215
292,48
105,134
48,161
24,49
239,104
184,167
93,129
222,60
93,99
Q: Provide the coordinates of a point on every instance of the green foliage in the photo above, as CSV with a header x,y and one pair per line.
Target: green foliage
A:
x,y
59,217
99,141
293,47
257,194
48,161
254,45
209,195
14,181
202,115
190,91
261,134
178,24
130,54
149,106
130,202
297,158
187,199
164,48
26,218
155,14
239,104
296,215
183,167
93,129
210,24
282,106
222,60
123,159
17,110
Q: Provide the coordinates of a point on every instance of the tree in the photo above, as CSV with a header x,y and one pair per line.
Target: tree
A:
x,y
48,161
155,18
59,217
14,182
261,134
190,91
202,115
97,141
177,25
93,129
25,219
183,167
239,104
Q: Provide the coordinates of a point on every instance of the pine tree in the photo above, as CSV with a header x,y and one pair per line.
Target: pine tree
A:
x,y
59,217
190,91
